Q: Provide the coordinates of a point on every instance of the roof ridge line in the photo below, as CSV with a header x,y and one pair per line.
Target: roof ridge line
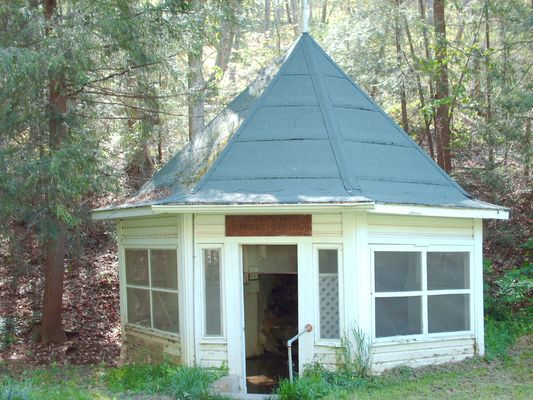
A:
x,y
251,112
329,123
415,145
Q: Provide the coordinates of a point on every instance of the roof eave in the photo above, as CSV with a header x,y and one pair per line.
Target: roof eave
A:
x,y
135,212
441,211
371,207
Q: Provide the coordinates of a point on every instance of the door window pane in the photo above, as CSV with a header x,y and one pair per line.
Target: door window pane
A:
x,y
397,271
138,303
398,316
164,269
448,313
213,309
328,260
328,268
137,267
165,307
448,270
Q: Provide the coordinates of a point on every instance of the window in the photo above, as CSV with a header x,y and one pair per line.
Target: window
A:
x,y
212,292
328,288
152,288
421,292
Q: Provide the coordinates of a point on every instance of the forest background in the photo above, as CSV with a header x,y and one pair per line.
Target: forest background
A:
x,y
96,95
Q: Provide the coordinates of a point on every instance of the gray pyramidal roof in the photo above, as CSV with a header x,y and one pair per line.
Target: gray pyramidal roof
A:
x,y
302,132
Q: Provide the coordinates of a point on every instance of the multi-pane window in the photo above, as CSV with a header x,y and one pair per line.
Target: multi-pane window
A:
x,y
212,292
421,292
328,288
152,288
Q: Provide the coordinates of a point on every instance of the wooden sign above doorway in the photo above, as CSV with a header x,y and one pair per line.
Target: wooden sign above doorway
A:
x,y
269,225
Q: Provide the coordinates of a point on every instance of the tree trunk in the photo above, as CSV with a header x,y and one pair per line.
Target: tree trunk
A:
x,y
397,39
421,98
288,9
527,147
267,15
196,93
277,23
488,71
324,16
442,121
429,58
51,323
227,36
54,246
295,17
236,47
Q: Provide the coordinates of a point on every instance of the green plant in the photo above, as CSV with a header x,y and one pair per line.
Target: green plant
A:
x,y
179,381
12,390
511,293
309,386
501,335
356,353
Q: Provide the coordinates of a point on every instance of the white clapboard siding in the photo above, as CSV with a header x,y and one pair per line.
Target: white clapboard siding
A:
x,y
327,356
415,354
213,226
152,227
399,229
213,355
327,225
210,226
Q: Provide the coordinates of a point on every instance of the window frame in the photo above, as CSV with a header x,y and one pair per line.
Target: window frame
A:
x,y
424,293
205,337
149,288
340,274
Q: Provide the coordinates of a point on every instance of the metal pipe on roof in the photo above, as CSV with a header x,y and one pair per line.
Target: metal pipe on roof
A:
x,y
305,16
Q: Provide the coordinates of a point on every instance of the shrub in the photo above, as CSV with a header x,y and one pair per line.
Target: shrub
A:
x,y
501,335
511,293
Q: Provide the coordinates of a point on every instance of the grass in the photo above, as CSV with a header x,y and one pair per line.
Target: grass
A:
x,y
164,381
505,373
479,378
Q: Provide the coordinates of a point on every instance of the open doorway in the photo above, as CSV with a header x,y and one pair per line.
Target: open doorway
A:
x,y
271,313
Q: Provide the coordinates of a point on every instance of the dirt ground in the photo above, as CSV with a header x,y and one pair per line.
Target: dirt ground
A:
x,y
91,312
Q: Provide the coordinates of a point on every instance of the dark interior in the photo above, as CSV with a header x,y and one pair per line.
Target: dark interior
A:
x,y
276,319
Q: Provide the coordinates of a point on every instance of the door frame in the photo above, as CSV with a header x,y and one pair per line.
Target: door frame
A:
x,y
305,272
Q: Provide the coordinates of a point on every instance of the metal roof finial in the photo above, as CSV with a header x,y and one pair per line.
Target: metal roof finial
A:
x,y
305,16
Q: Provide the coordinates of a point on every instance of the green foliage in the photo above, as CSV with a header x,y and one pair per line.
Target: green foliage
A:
x,y
355,353
13,390
500,336
354,372
317,382
511,294
96,382
181,382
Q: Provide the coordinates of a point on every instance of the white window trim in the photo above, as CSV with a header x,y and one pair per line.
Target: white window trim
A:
x,y
424,293
340,274
150,328
205,338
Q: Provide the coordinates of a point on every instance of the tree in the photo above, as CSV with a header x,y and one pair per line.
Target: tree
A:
x,y
442,118
71,73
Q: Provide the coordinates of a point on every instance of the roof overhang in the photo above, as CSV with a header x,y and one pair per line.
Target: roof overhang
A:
x,y
370,207
108,214
447,212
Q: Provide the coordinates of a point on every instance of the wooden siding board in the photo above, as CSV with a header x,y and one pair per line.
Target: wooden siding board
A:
x,y
377,368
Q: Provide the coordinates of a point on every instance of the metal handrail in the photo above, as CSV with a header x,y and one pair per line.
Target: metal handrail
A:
x,y
307,328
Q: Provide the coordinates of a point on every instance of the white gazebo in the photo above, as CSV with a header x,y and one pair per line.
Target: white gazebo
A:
x,y
301,203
